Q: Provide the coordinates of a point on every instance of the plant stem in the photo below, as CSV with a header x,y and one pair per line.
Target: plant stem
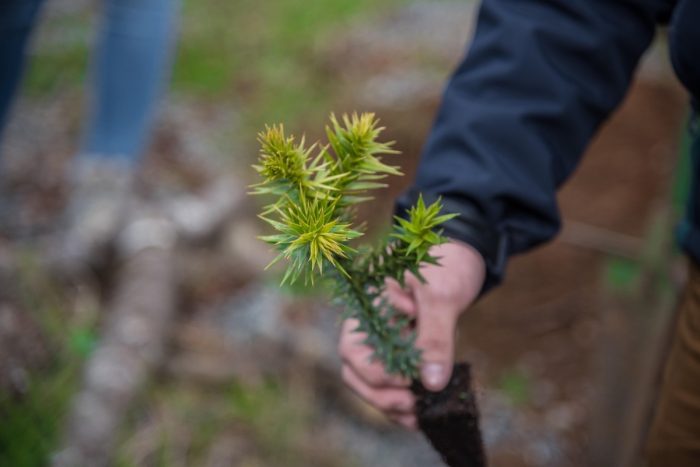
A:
x,y
384,326
370,313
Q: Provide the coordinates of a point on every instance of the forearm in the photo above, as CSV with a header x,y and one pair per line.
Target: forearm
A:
x,y
518,113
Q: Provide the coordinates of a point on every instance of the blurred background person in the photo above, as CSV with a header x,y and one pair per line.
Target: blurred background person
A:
x,y
130,65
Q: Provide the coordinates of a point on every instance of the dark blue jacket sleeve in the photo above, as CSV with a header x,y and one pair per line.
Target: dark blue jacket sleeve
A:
x,y
540,77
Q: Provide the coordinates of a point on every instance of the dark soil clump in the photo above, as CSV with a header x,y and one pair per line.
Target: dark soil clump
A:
x,y
450,419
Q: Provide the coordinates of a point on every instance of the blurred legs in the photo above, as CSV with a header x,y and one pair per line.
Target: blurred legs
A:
x,y
17,18
130,66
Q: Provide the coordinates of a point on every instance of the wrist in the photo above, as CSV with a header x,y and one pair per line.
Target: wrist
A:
x,y
465,267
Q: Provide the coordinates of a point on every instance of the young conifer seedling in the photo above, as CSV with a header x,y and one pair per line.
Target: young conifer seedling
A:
x,y
314,192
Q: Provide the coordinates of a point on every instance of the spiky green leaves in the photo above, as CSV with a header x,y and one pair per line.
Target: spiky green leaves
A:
x,y
353,166
288,168
280,158
417,234
313,191
386,330
309,236
354,141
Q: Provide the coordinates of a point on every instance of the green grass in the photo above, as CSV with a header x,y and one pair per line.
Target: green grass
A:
x,y
273,419
31,423
256,57
277,418
259,56
267,44
60,57
516,385
621,274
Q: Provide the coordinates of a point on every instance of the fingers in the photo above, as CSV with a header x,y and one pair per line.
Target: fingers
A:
x,y
358,356
368,379
436,305
395,401
435,338
447,291
437,314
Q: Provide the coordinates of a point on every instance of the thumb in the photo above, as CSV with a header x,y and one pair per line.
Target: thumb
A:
x,y
436,339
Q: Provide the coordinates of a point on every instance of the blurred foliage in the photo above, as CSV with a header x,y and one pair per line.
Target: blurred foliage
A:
x,y
31,424
32,420
680,189
621,274
261,53
266,44
257,56
274,415
267,422
516,385
60,57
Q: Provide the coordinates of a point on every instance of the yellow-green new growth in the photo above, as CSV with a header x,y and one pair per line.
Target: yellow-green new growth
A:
x,y
418,233
309,235
280,158
288,169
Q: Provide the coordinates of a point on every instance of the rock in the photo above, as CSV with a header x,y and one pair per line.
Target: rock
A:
x,y
242,245
197,217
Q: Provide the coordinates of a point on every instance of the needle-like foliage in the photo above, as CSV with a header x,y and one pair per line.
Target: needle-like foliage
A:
x,y
314,190
309,236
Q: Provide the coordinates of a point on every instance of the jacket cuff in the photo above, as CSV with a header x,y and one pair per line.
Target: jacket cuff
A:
x,y
470,227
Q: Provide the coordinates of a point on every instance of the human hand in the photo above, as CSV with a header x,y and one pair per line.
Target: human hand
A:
x,y
449,289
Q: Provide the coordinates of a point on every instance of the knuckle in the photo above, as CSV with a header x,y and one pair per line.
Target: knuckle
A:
x,y
393,403
435,344
373,378
412,281
444,292
375,375
385,404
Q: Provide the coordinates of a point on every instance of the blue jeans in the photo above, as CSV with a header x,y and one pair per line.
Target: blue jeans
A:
x,y
130,65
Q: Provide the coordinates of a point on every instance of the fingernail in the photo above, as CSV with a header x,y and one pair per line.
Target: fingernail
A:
x,y
433,374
